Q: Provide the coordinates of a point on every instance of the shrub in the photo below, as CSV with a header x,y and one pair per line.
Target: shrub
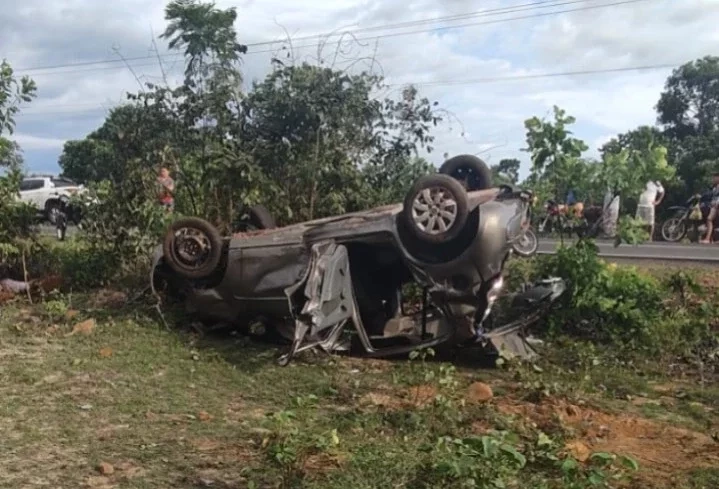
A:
x,y
604,302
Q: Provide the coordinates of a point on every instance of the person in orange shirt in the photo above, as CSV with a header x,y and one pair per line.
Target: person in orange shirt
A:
x,y
166,189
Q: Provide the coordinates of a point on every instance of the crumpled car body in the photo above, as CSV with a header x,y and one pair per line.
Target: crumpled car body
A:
x,y
338,281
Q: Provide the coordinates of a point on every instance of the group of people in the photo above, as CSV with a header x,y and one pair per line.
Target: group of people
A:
x,y
652,195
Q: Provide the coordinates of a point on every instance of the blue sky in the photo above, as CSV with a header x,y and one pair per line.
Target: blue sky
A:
x,y
72,100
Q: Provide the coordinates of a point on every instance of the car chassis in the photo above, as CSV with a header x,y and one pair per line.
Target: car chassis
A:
x,y
299,279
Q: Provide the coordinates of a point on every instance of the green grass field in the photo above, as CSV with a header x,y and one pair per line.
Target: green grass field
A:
x,y
109,398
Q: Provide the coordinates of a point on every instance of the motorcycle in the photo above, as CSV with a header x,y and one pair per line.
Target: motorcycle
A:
x,y
528,243
692,215
555,219
568,220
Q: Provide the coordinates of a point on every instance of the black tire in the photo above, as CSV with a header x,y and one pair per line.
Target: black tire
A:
x,y
456,193
677,236
188,267
261,218
470,170
528,248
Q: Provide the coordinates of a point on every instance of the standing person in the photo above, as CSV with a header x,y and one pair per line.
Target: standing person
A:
x,y
648,201
610,213
166,189
713,210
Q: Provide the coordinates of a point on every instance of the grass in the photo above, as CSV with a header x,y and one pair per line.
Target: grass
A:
x,y
170,409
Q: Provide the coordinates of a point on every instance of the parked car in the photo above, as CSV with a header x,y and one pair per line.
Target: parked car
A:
x,y
46,192
337,282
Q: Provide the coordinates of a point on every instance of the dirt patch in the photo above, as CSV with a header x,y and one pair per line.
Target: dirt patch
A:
x,y
413,397
321,463
661,449
220,452
421,395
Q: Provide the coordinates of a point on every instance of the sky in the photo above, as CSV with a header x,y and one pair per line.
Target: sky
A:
x,y
484,61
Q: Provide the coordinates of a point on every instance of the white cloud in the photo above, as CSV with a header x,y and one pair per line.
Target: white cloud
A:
x,y
29,142
491,113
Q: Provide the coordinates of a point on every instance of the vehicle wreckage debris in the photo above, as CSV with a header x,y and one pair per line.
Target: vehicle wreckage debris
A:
x,y
315,281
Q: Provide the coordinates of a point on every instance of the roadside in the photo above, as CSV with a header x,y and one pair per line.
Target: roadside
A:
x,y
109,398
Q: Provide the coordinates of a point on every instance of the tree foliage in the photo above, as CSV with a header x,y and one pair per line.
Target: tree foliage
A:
x,y
16,218
506,172
307,141
689,105
555,153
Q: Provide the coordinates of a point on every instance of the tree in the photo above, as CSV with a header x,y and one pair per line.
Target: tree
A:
x,y
130,131
15,217
317,132
555,154
636,139
689,105
307,141
629,170
506,172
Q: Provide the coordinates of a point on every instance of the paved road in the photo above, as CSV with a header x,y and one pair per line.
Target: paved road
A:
x,y
656,251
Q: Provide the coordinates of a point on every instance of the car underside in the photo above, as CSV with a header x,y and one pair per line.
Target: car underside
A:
x,y
339,281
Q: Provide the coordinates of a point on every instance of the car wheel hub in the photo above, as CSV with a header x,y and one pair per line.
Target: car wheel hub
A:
x,y
192,246
434,210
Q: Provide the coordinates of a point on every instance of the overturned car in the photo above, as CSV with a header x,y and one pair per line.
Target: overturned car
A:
x,y
337,282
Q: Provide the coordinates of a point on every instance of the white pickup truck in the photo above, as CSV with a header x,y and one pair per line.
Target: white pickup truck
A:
x,y
45,192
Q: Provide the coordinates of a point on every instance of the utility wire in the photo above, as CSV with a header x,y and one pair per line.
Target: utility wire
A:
x,y
486,13
492,79
473,81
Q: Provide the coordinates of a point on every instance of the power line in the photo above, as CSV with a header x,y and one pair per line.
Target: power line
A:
x,y
452,18
493,79
437,83
486,13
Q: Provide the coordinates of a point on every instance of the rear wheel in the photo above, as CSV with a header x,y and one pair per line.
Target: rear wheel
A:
x,y
435,209
526,245
674,229
192,247
470,171
257,217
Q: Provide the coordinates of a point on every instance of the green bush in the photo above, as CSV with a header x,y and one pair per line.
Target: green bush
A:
x,y
604,302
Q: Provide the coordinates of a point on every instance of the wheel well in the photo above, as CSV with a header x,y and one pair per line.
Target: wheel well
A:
x,y
51,201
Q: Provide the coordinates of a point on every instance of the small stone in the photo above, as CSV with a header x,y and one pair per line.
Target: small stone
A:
x,y
479,392
573,411
85,407
578,450
105,468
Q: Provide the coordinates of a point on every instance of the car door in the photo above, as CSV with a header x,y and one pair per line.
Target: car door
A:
x,y
32,191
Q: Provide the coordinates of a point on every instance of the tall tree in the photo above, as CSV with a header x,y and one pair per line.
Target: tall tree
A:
x,y
506,171
636,139
555,153
689,105
15,217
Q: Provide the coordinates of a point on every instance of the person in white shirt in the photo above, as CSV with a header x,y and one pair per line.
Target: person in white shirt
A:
x,y
648,200
610,213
